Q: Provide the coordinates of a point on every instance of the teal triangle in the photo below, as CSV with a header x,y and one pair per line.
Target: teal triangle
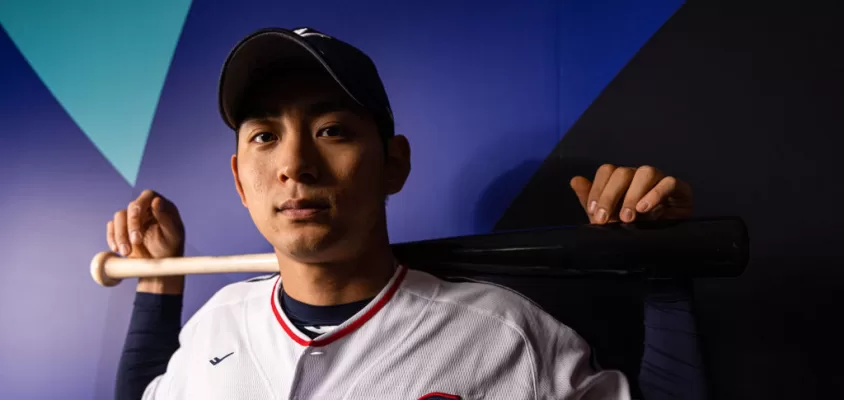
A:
x,y
104,61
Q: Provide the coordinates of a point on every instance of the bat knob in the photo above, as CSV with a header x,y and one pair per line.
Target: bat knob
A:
x,y
98,269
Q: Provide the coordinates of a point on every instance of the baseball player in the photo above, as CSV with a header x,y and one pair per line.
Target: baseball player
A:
x,y
315,160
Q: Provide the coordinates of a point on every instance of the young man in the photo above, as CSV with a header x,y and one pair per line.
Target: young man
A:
x,y
316,159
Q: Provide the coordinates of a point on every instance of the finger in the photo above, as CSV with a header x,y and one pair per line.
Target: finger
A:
x,y
643,181
138,213
602,176
168,218
121,234
664,188
110,236
613,193
581,187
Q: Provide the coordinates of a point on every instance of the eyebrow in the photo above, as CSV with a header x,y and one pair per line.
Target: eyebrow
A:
x,y
312,110
331,106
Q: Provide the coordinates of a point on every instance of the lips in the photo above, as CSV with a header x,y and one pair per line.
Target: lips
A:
x,y
302,208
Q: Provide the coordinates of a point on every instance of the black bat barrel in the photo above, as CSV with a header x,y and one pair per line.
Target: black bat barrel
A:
x,y
694,248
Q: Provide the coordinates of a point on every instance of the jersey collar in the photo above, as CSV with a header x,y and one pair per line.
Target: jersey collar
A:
x,y
347,327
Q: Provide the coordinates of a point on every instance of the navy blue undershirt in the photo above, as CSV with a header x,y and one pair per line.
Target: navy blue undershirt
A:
x,y
152,339
307,317
671,366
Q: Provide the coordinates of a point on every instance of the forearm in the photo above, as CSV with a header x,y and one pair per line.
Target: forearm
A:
x,y
672,366
152,339
173,285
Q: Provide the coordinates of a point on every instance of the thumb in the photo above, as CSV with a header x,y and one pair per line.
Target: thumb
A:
x,y
581,187
167,218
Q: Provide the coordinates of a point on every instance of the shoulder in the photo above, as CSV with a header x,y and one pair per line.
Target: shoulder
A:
x,y
236,295
239,292
489,301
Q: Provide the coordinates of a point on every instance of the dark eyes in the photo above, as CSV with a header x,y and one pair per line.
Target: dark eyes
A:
x,y
263,137
331,131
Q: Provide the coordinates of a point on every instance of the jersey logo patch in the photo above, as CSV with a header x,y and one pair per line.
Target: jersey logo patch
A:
x,y
439,396
217,360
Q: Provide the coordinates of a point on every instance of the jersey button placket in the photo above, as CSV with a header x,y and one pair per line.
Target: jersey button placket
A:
x,y
310,370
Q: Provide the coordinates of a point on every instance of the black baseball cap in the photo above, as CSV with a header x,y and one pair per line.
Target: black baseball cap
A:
x,y
270,49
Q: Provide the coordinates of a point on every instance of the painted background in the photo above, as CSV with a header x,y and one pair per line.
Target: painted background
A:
x,y
101,99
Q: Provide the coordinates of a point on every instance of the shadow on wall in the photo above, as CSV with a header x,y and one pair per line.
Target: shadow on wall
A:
x,y
484,196
496,198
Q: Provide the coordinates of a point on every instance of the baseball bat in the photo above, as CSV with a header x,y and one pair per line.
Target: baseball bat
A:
x,y
694,248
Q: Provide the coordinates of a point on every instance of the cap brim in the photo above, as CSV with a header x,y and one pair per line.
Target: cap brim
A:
x,y
268,47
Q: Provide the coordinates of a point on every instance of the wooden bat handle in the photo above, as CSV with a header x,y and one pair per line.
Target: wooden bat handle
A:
x,y
108,269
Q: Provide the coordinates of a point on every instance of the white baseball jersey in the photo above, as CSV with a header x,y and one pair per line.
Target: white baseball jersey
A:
x,y
420,338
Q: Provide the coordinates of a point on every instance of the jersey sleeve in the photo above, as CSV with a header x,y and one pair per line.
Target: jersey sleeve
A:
x,y
566,368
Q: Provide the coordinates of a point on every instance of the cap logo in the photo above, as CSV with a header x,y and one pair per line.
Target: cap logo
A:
x,y
305,32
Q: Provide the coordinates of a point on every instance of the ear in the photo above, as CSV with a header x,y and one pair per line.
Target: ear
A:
x,y
398,164
237,184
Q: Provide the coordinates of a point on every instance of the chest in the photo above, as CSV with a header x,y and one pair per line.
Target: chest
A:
x,y
413,368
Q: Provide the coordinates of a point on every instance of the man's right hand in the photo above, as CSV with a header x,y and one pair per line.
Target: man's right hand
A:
x,y
149,227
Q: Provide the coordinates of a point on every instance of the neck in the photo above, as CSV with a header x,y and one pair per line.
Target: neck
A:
x,y
339,282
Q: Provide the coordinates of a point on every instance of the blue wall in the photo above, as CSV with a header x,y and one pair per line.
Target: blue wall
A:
x,y
483,90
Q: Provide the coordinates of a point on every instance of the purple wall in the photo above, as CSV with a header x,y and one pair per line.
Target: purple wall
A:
x,y
483,90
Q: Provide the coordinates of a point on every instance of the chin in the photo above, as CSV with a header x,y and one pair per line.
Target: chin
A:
x,y
305,244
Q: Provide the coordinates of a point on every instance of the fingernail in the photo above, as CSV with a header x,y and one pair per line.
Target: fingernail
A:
x,y
592,206
124,249
627,214
601,216
642,206
136,237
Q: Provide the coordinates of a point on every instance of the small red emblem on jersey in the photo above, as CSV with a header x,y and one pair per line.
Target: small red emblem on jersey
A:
x,y
439,396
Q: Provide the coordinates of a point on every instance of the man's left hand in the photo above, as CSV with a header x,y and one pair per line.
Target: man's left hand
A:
x,y
628,194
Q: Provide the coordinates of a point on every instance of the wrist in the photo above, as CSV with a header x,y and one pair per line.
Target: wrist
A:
x,y
162,285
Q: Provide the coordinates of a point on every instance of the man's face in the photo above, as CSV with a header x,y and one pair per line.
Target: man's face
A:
x,y
312,170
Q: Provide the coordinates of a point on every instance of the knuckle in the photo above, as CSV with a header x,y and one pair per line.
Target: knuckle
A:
x,y
606,168
607,197
625,172
121,236
648,171
656,195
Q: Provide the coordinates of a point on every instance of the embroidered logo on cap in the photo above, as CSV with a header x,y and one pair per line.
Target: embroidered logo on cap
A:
x,y
305,32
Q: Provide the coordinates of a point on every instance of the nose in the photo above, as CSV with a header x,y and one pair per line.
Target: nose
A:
x,y
299,159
